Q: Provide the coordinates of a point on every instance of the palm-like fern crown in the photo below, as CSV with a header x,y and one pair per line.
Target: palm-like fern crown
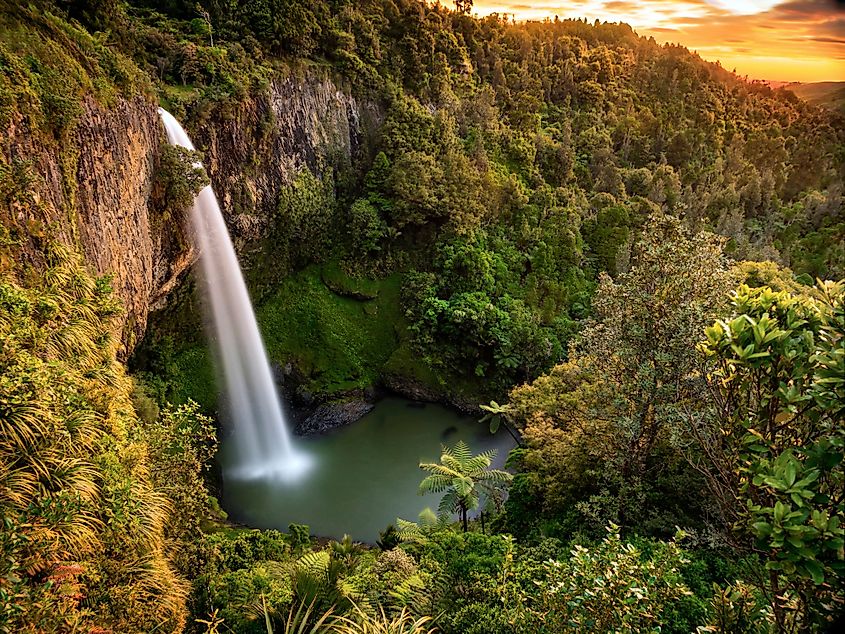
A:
x,y
459,474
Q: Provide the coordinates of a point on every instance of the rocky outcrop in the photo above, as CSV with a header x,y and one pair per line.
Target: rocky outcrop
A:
x,y
120,231
92,190
332,415
416,390
252,152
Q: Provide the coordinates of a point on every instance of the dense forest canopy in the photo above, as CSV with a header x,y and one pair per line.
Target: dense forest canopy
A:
x,y
527,155
623,244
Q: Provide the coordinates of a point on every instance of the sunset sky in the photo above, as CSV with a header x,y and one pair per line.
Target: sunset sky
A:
x,y
792,40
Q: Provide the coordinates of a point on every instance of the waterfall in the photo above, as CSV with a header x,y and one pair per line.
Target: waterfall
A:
x,y
261,437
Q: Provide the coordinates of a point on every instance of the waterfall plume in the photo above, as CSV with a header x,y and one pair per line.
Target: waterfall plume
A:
x,y
261,436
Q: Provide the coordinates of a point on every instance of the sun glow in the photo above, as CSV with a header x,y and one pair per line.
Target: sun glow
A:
x,y
745,7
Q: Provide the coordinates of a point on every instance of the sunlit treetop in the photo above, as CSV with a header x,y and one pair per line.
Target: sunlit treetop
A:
x,y
793,40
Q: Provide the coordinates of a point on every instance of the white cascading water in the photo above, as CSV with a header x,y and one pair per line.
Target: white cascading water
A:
x,y
261,437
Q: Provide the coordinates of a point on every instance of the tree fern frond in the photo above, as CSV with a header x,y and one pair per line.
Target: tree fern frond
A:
x,y
496,475
435,484
452,464
481,461
463,486
409,531
461,451
440,469
449,503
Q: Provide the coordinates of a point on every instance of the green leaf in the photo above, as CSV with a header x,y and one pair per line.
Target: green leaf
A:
x,y
790,473
495,422
816,571
762,529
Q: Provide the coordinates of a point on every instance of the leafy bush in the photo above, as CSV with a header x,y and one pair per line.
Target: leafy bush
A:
x,y
775,442
610,587
305,213
180,177
240,597
182,445
243,549
367,227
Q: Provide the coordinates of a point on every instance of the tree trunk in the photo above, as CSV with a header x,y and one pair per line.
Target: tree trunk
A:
x,y
777,605
464,516
513,434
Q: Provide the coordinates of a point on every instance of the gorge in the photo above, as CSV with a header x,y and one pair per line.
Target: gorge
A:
x,y
546,279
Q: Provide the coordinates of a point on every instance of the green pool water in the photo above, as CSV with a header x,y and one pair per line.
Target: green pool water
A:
x,y
362,476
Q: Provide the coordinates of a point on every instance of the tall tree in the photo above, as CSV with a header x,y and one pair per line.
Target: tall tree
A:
x,y
628,381
463,477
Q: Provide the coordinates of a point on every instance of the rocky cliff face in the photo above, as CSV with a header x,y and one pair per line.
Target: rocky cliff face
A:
x,y
92,190
301,122
95,190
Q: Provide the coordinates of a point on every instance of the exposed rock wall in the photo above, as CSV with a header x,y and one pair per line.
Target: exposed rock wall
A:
x,y
120,230
300,122
94,191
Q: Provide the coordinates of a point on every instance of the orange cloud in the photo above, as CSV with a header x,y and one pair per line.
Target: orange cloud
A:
x,y
793,40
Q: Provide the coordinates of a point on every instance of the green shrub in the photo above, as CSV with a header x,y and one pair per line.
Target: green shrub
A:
x,y
611,587
179,178
227,550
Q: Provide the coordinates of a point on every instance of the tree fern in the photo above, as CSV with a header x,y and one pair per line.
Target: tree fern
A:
x,y
318,579
463,477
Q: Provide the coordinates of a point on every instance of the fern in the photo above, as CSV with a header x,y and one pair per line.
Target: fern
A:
x,y
75,491
428,522
463,477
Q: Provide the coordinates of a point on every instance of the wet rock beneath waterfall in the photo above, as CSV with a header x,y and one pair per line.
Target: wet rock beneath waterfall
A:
x,y
303,397
332,415
278,373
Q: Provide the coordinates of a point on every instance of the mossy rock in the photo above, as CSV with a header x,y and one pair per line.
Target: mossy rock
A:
x,y
340,283
337,340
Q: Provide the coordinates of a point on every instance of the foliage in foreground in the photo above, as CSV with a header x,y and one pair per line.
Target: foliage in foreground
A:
x,y
611,587
773,451
84,541
750,431
457,583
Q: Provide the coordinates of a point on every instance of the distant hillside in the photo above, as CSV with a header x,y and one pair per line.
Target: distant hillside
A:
x,y
828,94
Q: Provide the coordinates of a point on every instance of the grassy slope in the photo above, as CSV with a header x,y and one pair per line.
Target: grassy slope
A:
x,y
338,339
828,94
